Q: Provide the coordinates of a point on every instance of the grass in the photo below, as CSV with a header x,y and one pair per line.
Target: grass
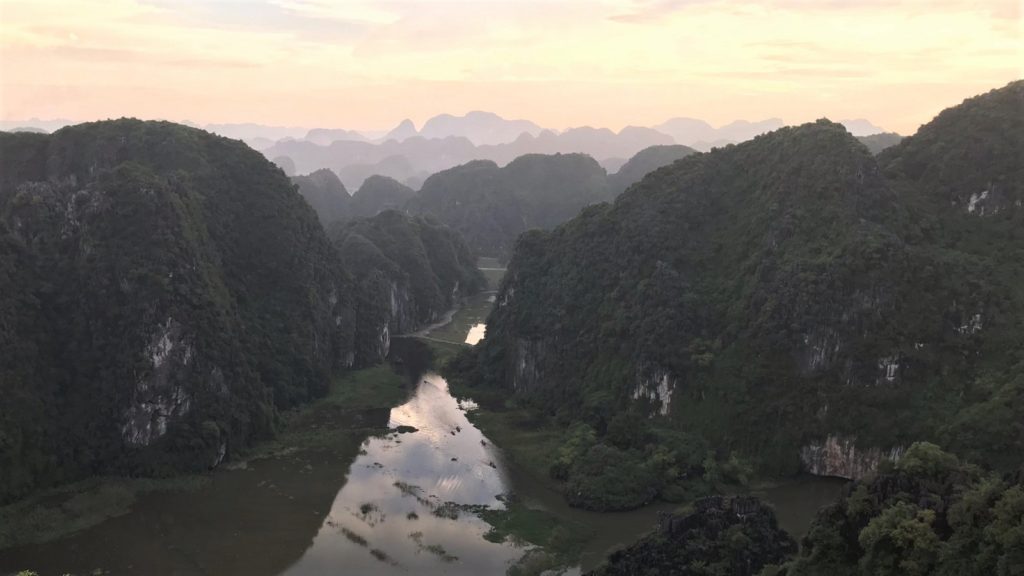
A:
x,y
356,405
61,511
442,351
473,311
493,278
376,387
493,270
488,262
538,527
528,441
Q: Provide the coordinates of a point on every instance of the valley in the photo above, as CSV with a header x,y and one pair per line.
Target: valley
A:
x,y
388,471
795,355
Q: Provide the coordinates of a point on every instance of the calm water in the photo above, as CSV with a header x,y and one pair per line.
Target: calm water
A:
x,y
476,334
387,509
396,490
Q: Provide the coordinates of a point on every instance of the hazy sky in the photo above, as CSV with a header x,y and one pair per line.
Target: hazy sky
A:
x,y
366,64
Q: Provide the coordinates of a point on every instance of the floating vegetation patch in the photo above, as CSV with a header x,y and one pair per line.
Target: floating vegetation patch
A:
x,y
449,510
383,557
355,538
370,513
414,491
435,549
440,552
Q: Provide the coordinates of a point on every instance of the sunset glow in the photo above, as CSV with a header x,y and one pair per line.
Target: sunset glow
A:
x,y
363,64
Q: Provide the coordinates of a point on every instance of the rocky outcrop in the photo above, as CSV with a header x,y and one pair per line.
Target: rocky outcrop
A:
x,y
529,357
159,398
707,536
841,457
655,385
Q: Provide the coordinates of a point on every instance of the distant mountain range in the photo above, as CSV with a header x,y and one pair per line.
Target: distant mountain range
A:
x,y
410,155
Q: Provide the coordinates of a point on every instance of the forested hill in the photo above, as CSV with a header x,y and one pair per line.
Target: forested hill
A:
x,y
787,299
409,271
154,314
646,161
492,206
927,515
333,204
326,194
489,205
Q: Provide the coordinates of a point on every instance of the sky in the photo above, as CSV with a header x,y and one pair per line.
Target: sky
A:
x,y
366,64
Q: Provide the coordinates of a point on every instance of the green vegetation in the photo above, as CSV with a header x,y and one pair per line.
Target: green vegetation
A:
x,y
409,272
491,206
326,195
340,422
494,277
355,406
56,512
474,310
719,536
154,316
763,296
558,538
927,514
644,162
875,143
165,295
380,193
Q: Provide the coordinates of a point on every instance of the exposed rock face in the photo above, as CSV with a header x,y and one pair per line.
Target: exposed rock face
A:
x,y
840,457
528,359
656,385
159,397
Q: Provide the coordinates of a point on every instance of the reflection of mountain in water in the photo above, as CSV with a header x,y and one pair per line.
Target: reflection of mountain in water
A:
x,y
395,514
254,521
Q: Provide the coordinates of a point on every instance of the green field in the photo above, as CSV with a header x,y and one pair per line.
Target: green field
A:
x,y
493,270
473,311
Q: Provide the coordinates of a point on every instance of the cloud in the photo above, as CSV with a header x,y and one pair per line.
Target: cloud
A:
x,y
290,17
646,11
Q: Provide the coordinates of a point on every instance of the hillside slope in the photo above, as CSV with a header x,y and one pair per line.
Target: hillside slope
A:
x,y
155,311
409,271
784,299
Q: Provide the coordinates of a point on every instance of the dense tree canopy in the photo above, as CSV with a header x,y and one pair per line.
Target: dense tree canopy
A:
x,y
155,303
769,295
928,514
408,271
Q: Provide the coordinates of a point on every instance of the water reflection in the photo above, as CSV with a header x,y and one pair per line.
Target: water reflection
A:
x,y
394,514
476,334
253,521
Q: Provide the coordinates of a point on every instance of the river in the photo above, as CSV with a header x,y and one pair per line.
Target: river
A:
x,y
392,507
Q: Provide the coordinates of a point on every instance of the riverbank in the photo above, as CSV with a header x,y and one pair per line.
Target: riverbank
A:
x,y
341,421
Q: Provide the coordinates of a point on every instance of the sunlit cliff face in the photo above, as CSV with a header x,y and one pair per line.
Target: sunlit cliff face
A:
x,y
366,64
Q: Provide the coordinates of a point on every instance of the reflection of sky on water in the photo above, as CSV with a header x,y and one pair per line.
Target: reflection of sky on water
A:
x,y
476,334
423,460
